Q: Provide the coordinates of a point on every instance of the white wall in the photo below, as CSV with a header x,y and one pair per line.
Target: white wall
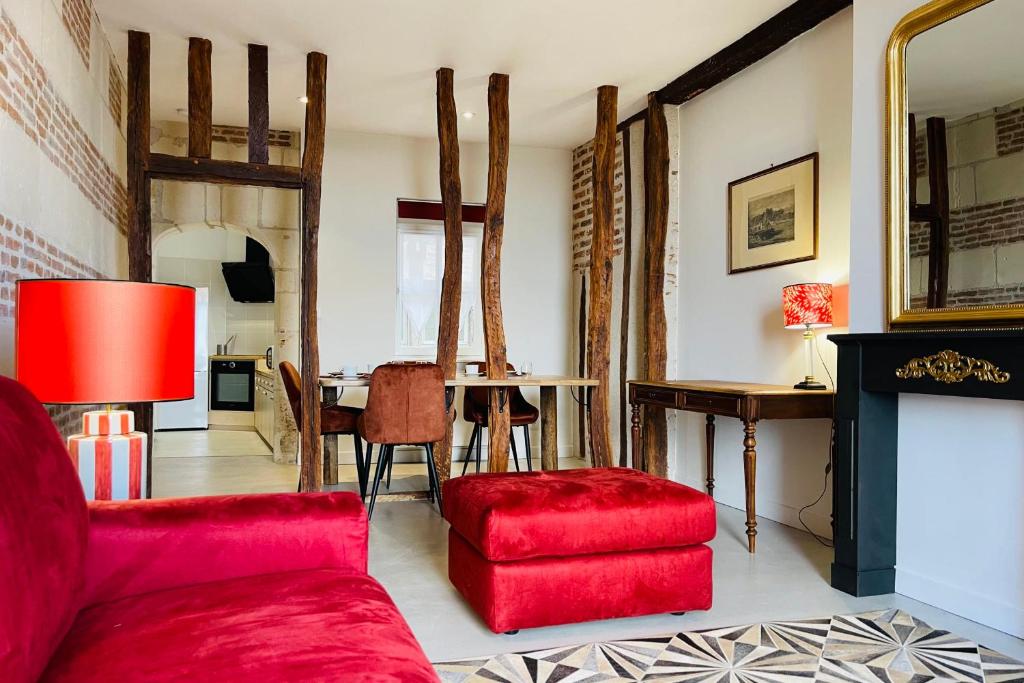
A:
x,y
364,175
960,529
794,102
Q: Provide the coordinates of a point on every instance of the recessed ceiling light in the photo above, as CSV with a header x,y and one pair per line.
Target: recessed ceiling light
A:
x,y
468,114
303,99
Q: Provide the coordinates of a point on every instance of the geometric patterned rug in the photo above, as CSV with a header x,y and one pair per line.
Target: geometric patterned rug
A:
x,y
888,646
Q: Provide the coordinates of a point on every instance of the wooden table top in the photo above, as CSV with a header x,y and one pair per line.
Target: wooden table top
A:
x,y
477,381
732,388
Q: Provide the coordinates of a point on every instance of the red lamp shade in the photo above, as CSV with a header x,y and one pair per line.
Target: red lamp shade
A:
x,y
104,341
808,304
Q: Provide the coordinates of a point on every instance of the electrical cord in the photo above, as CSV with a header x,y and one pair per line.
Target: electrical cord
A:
x,y
828,466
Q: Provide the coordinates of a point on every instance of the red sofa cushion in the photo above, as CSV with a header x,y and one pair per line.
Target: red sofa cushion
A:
x,y
565,590
43,525
141,546
316,625
575,512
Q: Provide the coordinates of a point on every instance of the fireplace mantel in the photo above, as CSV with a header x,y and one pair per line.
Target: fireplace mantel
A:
x,y
873,370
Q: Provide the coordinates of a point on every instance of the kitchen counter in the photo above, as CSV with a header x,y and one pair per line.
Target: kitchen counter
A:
x,y
237,357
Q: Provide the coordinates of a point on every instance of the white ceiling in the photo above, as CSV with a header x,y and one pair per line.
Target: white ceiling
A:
x,y
969,64
382,55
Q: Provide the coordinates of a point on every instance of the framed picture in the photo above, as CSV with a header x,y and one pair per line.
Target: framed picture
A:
x,y
773,216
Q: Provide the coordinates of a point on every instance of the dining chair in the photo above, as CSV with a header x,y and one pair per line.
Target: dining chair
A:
x,y
405,406
475,410
334,419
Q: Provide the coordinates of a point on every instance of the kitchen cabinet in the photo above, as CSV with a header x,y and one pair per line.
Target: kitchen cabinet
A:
x,y
264,407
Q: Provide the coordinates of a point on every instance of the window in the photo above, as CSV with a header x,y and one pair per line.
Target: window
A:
x,y
420,271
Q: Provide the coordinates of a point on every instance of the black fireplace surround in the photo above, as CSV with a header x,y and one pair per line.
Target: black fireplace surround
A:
x,y
873,370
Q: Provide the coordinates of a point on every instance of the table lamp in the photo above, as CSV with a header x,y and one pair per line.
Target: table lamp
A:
x,y
808,306
102,342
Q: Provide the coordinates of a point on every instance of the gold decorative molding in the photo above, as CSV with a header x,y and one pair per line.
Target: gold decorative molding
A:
x,y
950,367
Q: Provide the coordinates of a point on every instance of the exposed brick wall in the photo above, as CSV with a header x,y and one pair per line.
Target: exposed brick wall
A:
x,y
1010,131
29,98
115,92
25,254
582,203
239,135
77,16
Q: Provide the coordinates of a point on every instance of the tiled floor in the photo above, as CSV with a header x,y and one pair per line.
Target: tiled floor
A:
x,y
887,646
786,580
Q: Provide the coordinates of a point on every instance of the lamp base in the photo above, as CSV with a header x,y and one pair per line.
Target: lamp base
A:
x,y
810,385
110,457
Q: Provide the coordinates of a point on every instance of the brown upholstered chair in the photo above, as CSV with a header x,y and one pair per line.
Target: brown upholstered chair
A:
x,y
334,419
405,407
474,409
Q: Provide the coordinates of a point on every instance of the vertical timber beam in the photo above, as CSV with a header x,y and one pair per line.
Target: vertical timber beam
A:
x,y
599,341
140,227
627,275
451,285
200,98
655,434
259,105
938,197
498,423
311,470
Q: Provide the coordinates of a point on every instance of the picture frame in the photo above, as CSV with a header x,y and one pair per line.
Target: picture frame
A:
x,y
773,216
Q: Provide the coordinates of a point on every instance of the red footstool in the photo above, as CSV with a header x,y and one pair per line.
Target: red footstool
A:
x,y
545,548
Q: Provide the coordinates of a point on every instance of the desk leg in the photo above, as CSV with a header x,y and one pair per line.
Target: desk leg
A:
x,y
548,428
329,395
709,433
636,436
750,475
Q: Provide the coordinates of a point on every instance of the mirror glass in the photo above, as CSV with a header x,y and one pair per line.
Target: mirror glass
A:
x,y
965,161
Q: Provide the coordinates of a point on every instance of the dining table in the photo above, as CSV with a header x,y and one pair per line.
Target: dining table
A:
x,y
332,386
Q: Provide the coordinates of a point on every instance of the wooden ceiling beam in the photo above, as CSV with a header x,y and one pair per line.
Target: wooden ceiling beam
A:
x,y
224,172
259,106
780,29
200,98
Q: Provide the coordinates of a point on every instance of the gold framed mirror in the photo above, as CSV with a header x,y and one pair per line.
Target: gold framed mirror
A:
x,y
955,166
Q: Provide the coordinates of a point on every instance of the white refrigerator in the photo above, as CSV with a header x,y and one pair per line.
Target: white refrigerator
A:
x,y
192,413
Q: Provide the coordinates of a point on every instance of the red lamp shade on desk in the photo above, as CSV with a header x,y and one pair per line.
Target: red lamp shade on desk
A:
x,y
807,306
105,341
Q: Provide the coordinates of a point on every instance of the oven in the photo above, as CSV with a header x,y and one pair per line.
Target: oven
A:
x,y
232,384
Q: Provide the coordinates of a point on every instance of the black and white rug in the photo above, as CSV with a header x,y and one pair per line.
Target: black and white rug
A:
x,y
889,646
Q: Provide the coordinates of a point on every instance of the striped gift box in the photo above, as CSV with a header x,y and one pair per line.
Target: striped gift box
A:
x,y
109,456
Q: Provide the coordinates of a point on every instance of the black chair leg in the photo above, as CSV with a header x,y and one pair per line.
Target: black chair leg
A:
x,y
382,458
432,474
469,451
512,443
529,455
391,464
360,465
479,448
366,470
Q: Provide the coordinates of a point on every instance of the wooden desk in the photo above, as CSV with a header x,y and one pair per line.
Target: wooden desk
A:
x,y
748,402
330,388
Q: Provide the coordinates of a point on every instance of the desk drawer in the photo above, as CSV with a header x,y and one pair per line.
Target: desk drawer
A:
x,y
720,405
654,396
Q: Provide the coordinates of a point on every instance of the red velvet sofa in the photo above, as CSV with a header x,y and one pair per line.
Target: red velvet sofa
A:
x,y
231,588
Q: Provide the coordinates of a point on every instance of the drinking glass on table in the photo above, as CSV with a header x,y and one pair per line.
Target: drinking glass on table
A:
x,y
526,368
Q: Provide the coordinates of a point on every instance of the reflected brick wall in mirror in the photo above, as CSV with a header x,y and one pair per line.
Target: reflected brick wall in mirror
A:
x,y
986,193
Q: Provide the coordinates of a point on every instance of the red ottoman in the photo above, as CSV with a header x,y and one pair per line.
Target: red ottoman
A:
x,y
545,548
